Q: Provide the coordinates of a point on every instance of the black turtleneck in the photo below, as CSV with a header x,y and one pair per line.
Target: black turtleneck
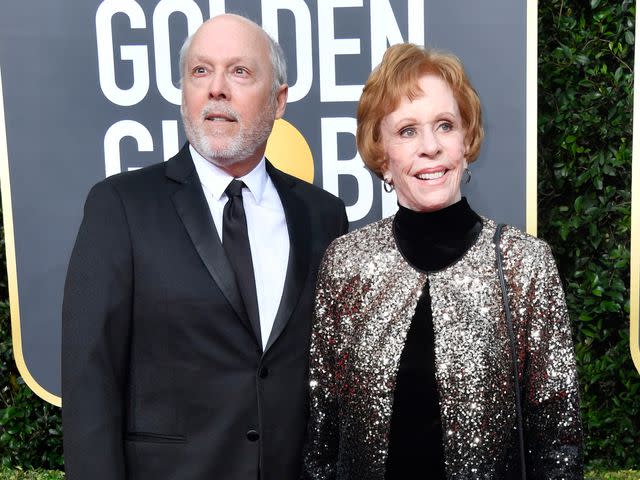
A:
x,y
429,242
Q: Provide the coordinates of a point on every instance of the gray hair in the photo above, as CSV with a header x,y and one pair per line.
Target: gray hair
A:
x,y
276,55
183,56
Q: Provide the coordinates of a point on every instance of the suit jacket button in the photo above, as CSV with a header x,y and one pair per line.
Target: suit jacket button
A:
x,y
264,372
253,436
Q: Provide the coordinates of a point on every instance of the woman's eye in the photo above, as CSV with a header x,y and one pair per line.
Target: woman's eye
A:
x,y
446,127
408,132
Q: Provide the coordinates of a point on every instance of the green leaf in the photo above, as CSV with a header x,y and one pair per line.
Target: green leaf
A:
x,y
618,74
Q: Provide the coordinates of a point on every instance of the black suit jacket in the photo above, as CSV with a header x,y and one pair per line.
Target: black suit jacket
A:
x,y
162,374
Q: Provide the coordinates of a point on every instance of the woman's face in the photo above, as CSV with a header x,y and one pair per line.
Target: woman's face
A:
x,y
424,146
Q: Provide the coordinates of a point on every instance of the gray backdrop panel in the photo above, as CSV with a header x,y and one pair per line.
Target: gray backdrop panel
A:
x,y
57,115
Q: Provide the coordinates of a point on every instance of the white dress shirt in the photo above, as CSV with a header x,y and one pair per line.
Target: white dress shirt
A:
x,y
266,226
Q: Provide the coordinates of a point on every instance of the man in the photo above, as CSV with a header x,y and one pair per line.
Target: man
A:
x,y
188,300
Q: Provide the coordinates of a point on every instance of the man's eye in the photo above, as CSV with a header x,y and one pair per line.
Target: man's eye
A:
x,y
240,71
199,70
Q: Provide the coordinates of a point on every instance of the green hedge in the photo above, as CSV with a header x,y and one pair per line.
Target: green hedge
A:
x,y
18,474
585,119
619,475
53,475
30,428
584,158
6,474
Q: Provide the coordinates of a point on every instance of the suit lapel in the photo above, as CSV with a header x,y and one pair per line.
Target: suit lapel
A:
x,y
193,209
299,241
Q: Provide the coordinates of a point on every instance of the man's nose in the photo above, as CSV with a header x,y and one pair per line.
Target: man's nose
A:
x,y
219,87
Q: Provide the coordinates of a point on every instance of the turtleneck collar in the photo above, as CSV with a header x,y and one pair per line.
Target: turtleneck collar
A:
x,y
431,241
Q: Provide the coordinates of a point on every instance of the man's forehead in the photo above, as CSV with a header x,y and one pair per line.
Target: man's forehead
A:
x,y
232,29
214,56
229,40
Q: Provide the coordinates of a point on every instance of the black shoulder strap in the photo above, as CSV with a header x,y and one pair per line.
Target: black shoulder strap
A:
x,y
514,352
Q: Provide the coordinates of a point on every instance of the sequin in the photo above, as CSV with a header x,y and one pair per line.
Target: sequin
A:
x,y
366,296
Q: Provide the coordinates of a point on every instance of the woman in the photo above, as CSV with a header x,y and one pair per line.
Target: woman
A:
x,y
412,355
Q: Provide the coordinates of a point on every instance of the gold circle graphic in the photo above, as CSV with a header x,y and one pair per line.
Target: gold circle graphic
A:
x,y
288,150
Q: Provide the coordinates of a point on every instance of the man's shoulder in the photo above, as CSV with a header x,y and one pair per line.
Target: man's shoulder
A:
x,y
136,177
179,168
142,185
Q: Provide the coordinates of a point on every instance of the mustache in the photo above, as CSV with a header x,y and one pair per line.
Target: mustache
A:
x,y
219,108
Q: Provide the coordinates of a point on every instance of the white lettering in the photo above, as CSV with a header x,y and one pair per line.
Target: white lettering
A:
x,y
137,54
389,202
216,7
416,21
304,55
117,131
169,138
329,47
332,167
161,36
385,30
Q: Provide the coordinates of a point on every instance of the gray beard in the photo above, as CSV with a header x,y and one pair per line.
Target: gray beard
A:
x,y
242,146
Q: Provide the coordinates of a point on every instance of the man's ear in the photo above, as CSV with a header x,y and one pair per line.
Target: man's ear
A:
x,y
281,99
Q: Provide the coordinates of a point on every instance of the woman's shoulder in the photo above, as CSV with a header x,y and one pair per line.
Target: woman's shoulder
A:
x,y
516,244
362,252
371,238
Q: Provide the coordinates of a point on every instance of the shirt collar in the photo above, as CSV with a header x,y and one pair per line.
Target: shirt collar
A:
x,y
215,180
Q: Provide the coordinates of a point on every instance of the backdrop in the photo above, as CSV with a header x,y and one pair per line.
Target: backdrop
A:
x,y
89,89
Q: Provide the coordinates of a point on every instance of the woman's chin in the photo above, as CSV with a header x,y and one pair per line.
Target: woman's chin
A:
x,y
430,203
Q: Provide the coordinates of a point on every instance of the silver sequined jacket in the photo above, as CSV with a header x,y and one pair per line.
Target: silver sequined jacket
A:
x,y
366,297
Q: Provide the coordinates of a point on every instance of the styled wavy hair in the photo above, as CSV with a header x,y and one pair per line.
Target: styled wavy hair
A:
x,y
398,76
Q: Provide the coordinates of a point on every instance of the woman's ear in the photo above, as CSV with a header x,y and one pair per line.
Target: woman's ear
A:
x,y
467,144
387,181
384,171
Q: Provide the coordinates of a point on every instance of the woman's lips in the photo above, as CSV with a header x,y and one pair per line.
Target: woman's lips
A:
x,y
432,175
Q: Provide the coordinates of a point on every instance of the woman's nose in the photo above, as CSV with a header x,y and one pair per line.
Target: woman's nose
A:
x,y
430,144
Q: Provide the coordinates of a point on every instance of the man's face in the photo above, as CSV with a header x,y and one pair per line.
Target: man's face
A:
x,y
227,105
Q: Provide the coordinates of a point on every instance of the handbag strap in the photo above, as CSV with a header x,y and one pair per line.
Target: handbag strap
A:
x,y
514,353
